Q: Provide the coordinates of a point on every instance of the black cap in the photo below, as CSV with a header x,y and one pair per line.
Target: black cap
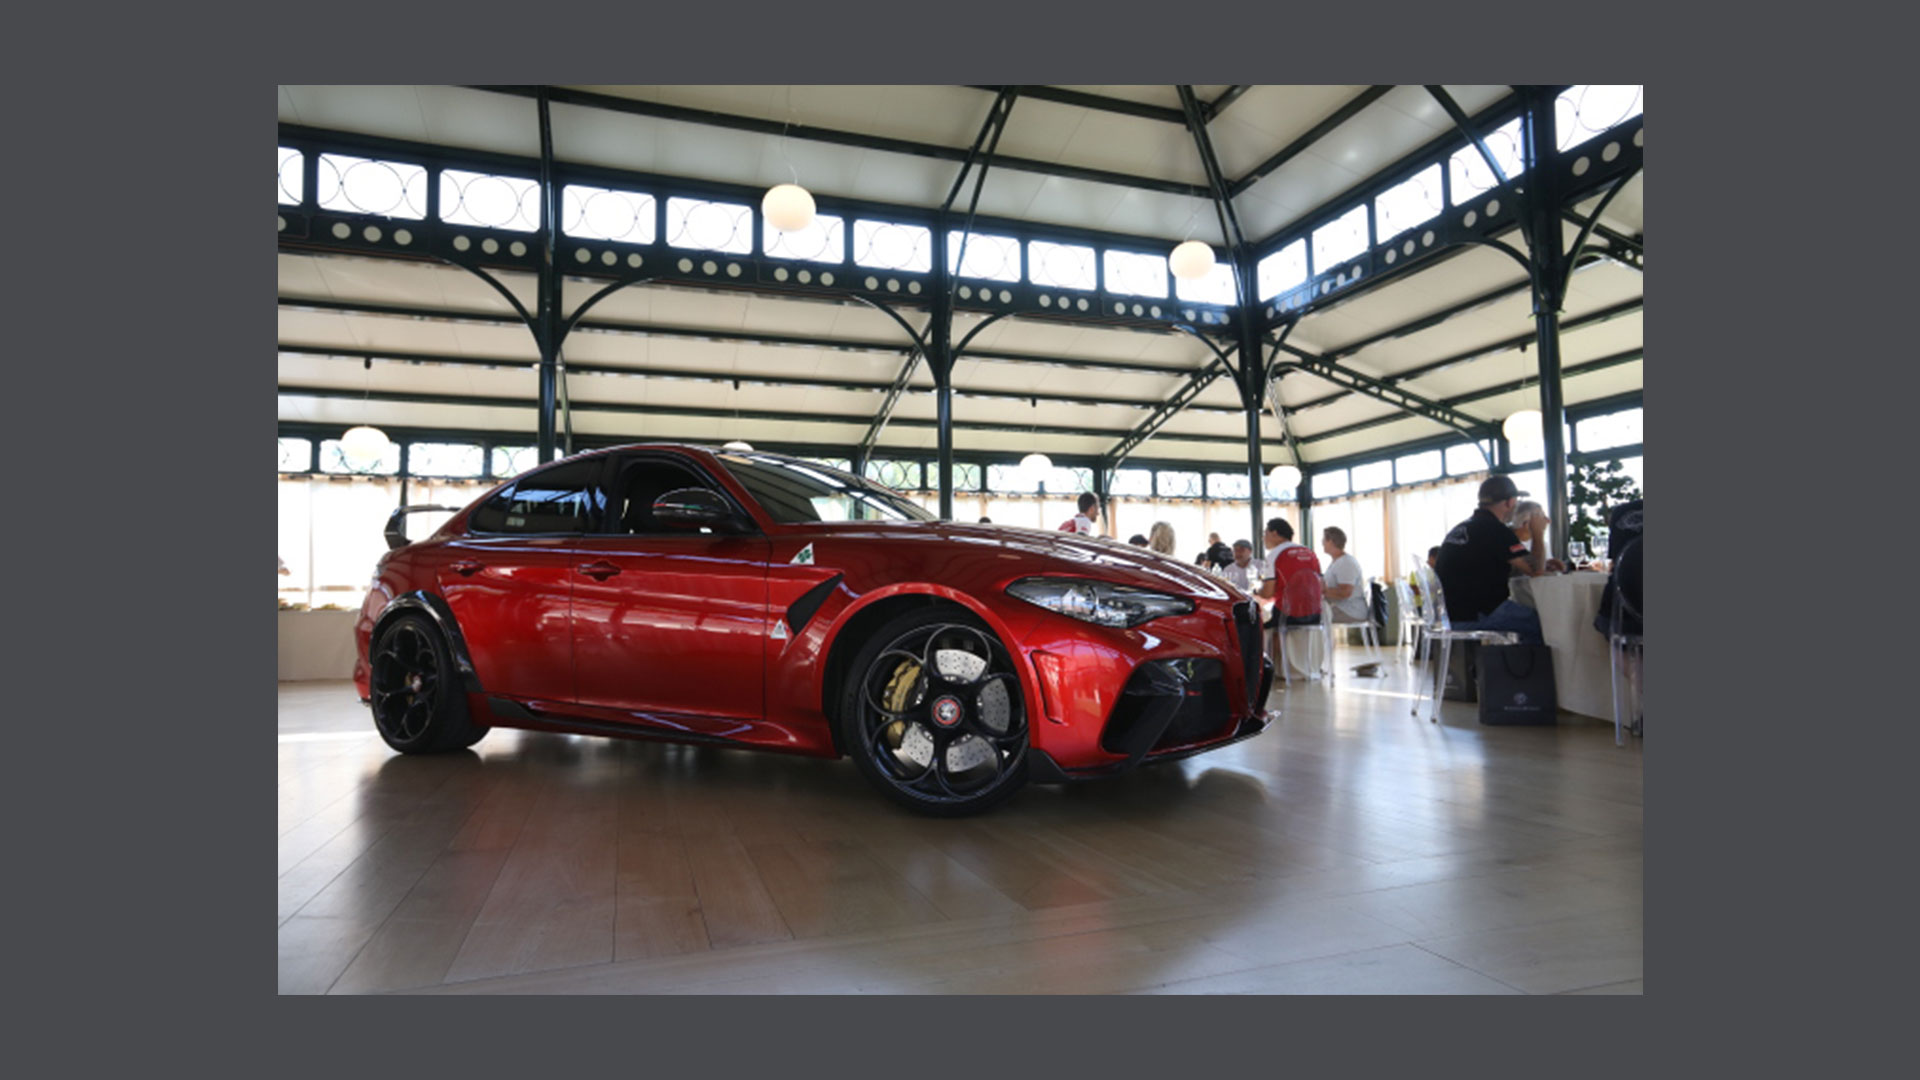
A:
x,y
1498,489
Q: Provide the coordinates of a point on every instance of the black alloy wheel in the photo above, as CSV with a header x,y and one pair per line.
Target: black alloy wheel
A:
x,y
418,703
933,714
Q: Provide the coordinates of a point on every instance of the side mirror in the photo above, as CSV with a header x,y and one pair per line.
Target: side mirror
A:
x,y
692,508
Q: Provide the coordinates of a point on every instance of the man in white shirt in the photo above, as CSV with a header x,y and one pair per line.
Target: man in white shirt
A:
x,y
1082,522
1345,583
1243,571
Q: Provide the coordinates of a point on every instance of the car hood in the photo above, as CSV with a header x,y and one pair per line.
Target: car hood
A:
x,y
1065,553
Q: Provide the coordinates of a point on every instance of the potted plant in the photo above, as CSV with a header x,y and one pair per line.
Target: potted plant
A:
x,y
1593,488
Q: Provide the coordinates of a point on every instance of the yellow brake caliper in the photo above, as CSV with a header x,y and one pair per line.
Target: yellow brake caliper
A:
x,y
896,697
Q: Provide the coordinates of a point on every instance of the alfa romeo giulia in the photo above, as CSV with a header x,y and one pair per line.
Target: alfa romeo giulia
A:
x,y
756,600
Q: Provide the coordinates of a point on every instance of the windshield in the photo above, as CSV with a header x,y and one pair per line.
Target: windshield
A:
x,y
797,492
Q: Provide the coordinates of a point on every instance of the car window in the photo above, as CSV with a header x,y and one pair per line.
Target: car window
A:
x,y
796,492
562,499
640,482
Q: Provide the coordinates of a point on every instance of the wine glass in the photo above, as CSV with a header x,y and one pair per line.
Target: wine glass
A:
x,y
1576,552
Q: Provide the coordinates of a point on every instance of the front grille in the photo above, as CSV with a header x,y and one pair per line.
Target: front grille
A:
x,y
1193,690
1246,630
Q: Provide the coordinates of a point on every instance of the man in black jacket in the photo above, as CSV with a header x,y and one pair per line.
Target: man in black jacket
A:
x,y
1476,560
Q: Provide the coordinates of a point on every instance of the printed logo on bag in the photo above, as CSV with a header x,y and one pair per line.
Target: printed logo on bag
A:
x,y
1520,698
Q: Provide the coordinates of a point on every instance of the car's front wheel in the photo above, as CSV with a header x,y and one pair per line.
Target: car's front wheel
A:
x,y
933,714
418,703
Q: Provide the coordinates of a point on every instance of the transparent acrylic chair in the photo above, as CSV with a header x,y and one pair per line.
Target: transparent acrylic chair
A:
x,y
1304,592
1368,635
1625,651
1412,619
1433,608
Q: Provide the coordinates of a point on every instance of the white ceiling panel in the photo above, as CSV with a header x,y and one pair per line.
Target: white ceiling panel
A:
x,y
1074,203
1278,114
1039,130
1135,146
344,411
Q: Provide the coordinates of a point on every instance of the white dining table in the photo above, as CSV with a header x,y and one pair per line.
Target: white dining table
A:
x,y
1567,603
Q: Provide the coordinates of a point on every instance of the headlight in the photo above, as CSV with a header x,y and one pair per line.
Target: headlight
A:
x,y
1098,601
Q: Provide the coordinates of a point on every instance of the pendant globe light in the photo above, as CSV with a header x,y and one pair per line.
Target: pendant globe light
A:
x,y
1526,426
736,445
787,207
364,445
1285,477
1191,260
1037,463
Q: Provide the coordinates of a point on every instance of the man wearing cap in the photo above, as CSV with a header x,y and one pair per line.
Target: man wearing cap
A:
x,y
1478,556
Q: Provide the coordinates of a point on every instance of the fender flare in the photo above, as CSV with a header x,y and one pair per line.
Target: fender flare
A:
x,y
1029,685
436,610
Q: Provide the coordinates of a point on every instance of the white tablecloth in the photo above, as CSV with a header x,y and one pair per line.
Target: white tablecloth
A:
x,y
1581,674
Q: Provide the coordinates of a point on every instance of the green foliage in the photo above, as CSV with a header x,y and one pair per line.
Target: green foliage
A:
x,y
1591,489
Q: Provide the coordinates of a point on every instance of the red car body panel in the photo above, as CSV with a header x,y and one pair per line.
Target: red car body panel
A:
x,y
689,639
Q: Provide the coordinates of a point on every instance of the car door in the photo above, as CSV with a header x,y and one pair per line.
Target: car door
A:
x,y
509,581
669,624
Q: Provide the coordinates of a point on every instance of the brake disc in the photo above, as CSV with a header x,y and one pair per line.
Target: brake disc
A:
x,y
958,665
995,707
968,752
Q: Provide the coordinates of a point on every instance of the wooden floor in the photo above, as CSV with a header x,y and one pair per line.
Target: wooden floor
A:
x,y
1350,849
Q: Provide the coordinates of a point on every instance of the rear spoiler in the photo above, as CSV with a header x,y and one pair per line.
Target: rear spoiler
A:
x,y
396,523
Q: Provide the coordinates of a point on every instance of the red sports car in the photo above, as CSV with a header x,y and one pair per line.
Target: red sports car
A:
x,y
756,600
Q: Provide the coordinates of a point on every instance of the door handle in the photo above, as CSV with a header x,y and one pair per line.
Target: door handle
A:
x,y
467,569
598,571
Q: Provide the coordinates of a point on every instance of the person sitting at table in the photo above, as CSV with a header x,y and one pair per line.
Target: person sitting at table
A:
x,y
1529,523
1475,561
1160,538
1345,582
1242,571
1137,540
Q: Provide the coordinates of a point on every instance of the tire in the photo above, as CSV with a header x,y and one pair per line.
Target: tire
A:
x,y
419,706
946,710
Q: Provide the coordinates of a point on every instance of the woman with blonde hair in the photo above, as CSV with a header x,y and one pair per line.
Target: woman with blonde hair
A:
x,y
1160,538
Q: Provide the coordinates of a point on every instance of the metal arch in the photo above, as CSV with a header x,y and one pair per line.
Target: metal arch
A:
x,y
519,308
1593,219
1506,249
918,341
581,311
961,348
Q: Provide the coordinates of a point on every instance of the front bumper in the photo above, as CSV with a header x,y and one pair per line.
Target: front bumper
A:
x,y
1112,700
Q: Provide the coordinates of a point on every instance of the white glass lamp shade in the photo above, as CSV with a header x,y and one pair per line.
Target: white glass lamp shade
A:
x,y
787,207
1524,426
1038,464
1284,477
736,445
364,445
1191,261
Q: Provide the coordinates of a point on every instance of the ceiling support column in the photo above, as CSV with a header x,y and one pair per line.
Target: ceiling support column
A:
x,y
546,330
1551,266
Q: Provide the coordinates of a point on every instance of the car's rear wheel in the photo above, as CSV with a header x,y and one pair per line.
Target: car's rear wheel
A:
x,y
933,714
418,703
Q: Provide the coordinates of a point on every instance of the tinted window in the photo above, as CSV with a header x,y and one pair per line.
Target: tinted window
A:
x,y
556,500
794,492
641,482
